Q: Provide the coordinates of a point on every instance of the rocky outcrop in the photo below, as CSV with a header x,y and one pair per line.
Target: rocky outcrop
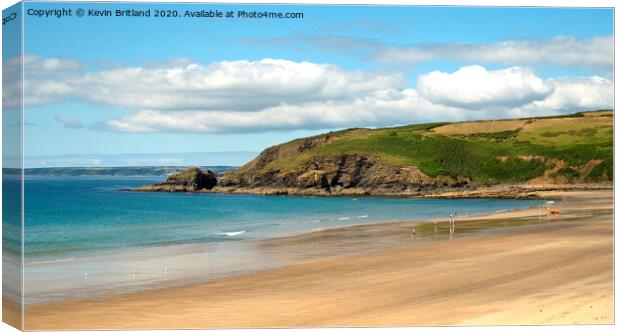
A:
x,y
331,174
190,180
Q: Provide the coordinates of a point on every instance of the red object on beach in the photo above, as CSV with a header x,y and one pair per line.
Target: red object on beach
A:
x,y
554,212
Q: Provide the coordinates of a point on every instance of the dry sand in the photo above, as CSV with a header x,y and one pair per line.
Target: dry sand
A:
x,y
557,272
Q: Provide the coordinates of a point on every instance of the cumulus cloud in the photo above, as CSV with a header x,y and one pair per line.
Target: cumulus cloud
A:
x,y
561,50
382,108
475,87
577,93
275,94
47,80
226,85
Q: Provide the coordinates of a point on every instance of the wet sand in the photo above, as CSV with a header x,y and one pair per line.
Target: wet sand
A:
x,y
558,271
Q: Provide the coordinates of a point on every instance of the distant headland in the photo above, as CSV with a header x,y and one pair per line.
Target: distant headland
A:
x,y
496,158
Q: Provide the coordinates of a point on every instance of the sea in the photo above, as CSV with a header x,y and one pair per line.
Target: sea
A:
x,y
87,236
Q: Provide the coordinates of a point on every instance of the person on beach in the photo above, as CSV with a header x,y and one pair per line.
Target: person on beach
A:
x,y
413,234
451,226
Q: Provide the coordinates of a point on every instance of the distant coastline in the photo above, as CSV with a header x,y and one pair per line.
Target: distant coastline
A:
x,y
111,171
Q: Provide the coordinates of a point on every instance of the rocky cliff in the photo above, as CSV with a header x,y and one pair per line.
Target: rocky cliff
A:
x,y
332,174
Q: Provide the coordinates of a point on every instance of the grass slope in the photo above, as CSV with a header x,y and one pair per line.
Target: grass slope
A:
x,y
577,146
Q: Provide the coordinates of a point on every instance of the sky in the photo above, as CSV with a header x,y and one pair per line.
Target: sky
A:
x,y
100,88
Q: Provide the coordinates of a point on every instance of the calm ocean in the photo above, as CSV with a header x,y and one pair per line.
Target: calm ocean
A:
x,y
84,233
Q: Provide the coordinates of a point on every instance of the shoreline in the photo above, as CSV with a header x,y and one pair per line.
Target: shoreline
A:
x,y
421,220
392,233
146,261
503,191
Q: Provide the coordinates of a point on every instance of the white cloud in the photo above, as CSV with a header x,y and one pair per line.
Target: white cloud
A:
x,y
43,66
381,108
227,85
47,80
476,88
580,93
561,50
272,94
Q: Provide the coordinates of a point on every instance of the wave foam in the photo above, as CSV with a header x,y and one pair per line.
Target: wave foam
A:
x,y
231,233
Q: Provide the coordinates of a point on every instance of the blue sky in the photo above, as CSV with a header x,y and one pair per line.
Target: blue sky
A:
x,y
391,49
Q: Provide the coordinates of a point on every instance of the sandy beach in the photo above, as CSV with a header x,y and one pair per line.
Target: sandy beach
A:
x,y
549,270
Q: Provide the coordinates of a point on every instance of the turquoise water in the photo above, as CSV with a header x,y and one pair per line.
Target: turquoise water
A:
x,y
68,217
85,237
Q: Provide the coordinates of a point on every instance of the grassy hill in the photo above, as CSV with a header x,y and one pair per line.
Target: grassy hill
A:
x,y
575,148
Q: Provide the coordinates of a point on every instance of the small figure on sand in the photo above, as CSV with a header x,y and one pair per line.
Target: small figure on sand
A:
x,y
413,234
452,226
550,210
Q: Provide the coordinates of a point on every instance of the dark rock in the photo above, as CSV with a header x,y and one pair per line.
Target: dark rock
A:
x,y
189,180
192,177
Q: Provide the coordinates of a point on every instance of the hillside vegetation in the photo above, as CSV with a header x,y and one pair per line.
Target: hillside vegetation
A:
x,y
569,149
